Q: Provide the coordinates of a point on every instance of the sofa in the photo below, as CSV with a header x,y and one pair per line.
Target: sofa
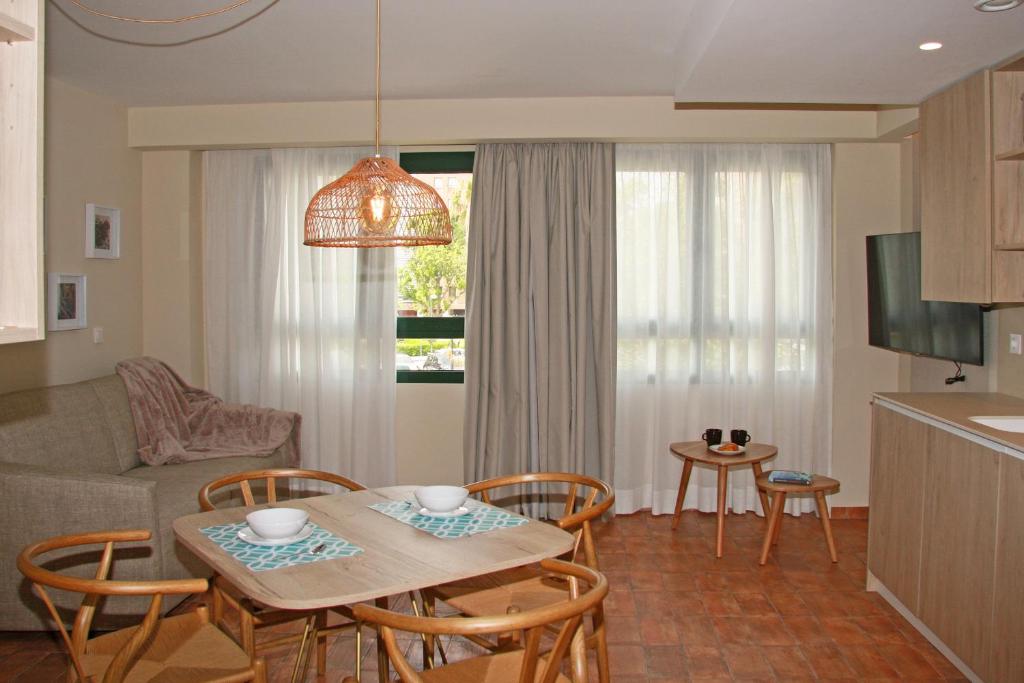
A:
x,y
68,464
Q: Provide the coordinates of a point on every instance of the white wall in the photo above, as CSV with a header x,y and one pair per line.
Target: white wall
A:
x,y
87,159
428,433
866,200
172,262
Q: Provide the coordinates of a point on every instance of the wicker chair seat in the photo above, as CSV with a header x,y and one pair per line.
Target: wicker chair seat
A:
x,y
499,668
518,594
182,648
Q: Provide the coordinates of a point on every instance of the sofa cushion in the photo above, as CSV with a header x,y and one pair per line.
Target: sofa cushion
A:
x,y
177,494
64,427
113,397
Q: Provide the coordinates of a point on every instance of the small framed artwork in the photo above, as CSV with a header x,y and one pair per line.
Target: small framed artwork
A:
x,y
102,231
66,302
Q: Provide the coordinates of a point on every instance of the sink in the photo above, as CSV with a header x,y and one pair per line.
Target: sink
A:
x,y
1004,423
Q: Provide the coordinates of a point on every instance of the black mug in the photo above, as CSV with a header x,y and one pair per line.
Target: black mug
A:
x,y
713,437
739,437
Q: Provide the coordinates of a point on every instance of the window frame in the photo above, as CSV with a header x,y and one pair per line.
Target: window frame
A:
x,y
415,327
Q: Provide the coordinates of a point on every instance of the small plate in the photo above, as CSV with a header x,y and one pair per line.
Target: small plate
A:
x,y
458,512
718,449
250,536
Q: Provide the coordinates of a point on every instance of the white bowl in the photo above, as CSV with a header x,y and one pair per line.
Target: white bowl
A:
x,y
441,498
277,522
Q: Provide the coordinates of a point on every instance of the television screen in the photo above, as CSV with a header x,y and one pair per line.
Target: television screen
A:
x,y
897,317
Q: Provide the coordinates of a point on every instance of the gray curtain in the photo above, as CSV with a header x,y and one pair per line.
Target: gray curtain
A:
x,y
540,327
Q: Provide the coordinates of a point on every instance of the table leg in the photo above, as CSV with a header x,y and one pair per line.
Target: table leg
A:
x,y
684,481
778,503
723,482
819,496
383,668
309,637
756,466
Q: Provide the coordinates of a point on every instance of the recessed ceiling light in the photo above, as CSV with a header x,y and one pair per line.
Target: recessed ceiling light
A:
x,y
996,5
930,46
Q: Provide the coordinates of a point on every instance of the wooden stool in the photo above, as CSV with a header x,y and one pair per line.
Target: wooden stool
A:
x,y
819,486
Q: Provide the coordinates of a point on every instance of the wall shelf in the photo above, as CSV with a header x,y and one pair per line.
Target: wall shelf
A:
x,y
13,31
1012,155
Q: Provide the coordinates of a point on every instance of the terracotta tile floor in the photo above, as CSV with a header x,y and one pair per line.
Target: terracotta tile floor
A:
x,y
678,614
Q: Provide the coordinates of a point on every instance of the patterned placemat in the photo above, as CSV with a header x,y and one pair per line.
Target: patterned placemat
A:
x,y
480,518
260,558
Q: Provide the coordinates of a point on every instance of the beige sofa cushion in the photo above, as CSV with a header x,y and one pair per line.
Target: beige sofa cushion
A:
x,y
177,494
113,397
64,427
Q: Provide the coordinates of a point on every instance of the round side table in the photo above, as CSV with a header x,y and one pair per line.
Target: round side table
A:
x,y
819,486
697,451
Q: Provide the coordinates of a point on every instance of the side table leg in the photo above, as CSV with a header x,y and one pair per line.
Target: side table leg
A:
x,y
819,496
778,503
756,466
723,482
684,481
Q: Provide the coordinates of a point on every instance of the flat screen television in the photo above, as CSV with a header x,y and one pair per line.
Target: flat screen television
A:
x,y
897,317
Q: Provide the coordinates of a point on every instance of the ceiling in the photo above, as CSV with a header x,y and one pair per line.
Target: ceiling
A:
x,y
820,51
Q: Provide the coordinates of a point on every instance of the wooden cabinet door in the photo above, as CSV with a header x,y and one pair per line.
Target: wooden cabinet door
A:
x,y
898,460
956,193
1008,616
958,546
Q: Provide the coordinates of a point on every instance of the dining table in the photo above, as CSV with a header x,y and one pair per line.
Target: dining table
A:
x,y
395,557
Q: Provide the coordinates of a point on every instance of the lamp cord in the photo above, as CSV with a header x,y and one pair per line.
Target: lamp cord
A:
x,y
376,135
175,20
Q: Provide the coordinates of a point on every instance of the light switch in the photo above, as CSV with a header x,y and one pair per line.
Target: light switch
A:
x,y
97,336
1015,344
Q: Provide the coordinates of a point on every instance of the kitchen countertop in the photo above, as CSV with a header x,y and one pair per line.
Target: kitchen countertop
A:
x,y
955,409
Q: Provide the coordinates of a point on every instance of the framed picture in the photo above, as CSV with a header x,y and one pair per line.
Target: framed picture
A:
x,y
102,232
65,302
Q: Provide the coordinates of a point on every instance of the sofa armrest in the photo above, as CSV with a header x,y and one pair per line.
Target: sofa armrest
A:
x,y
37,502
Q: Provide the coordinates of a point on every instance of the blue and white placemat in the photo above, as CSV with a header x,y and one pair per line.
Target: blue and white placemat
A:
x,y
260,558
479,519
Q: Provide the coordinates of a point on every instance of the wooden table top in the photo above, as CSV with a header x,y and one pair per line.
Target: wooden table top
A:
x,y
396,558
698,451
818,483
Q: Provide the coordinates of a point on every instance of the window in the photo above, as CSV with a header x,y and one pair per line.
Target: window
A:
x,y
431,285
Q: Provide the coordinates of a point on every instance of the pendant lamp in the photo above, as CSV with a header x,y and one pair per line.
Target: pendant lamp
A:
x,y
377,204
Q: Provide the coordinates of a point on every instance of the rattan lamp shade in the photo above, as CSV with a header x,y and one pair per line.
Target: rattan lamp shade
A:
x,y
377,204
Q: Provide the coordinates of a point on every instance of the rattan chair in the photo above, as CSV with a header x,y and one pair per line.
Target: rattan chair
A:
x,y
581,500
163,649
252,615
586,589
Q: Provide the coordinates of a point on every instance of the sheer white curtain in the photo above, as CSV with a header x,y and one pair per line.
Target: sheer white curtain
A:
x,y
724,313
293,327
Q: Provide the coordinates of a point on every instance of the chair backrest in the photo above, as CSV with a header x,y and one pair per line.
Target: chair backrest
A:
x,y
587,589
95,588
268,478
585,499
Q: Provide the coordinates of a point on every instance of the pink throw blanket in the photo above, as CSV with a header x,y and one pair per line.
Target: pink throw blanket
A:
x,y
177,423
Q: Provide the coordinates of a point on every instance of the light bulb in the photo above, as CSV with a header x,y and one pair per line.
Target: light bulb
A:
x,y
377,211
377,206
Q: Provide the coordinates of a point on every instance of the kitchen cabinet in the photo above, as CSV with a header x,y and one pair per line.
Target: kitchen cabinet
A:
x,y
1008,617
972,189
22,293
944,532
898,445
958,546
